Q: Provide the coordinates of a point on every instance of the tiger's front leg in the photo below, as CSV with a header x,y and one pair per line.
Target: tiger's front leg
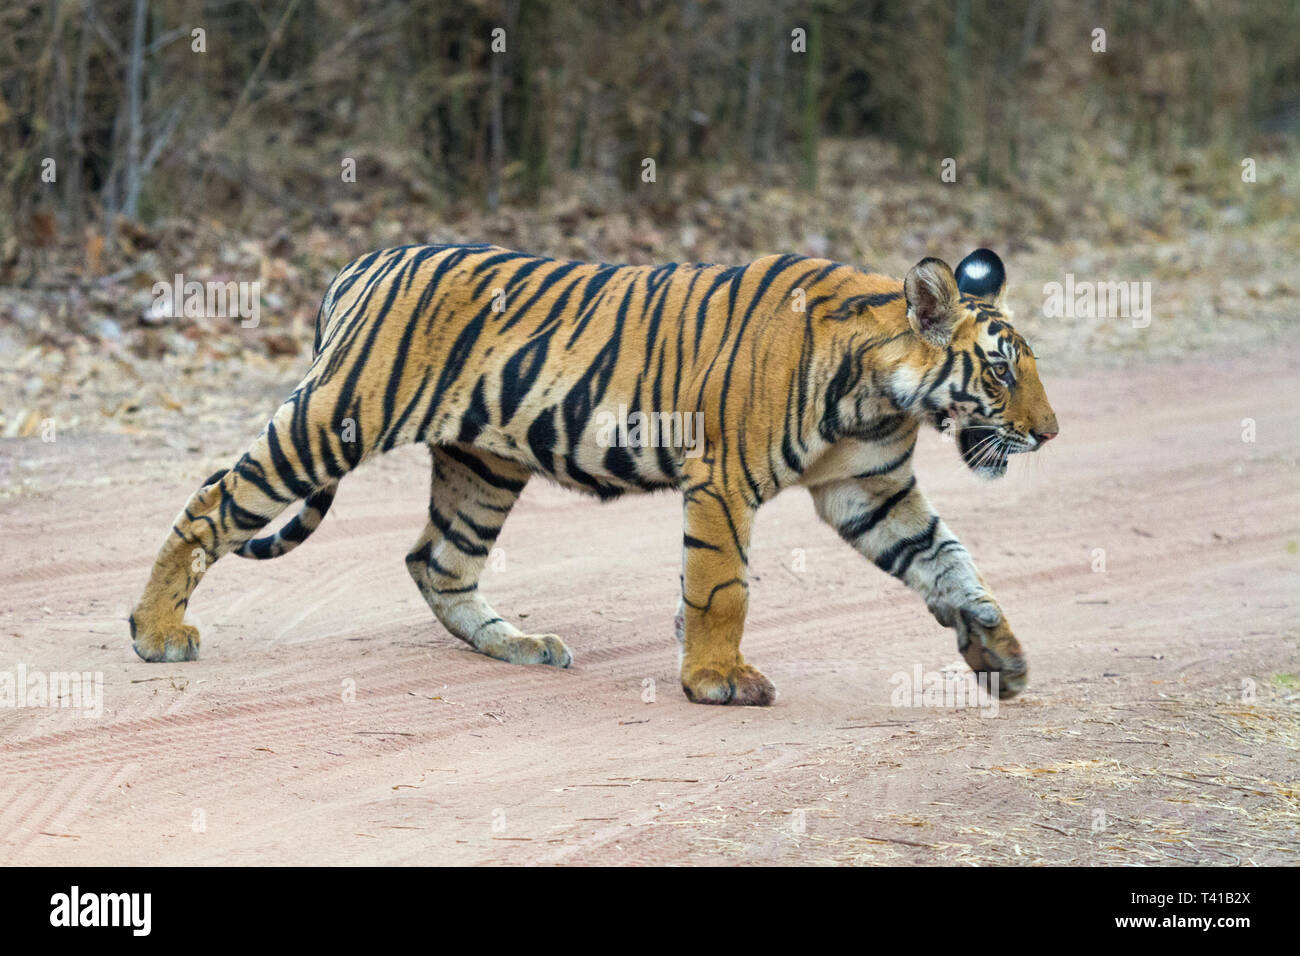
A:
x,y
888,520
715,597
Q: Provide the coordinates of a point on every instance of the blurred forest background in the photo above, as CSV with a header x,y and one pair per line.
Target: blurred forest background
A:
x,y
213,138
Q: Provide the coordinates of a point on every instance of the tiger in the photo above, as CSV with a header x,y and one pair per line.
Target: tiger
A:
x,y
800,372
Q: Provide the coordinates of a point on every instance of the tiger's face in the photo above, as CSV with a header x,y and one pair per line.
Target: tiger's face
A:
x,y
982,381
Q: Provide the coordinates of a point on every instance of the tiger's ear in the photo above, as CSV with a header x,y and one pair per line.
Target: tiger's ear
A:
x,y
933,301
981,275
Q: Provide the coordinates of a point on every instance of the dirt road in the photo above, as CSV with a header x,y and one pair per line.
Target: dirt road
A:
x,y
1147,560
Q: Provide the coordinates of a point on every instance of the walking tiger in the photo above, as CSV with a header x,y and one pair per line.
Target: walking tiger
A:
x,y
800,371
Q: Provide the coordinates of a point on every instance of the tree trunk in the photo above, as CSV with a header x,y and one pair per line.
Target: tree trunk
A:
x,y
135,121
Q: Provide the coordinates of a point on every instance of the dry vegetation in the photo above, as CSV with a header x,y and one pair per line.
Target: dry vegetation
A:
x,y
205,137
83,348
225,164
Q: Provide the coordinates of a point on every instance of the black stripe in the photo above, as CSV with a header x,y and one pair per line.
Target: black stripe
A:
x,y
520,374
554,276
541,439
903,551
283,467
480,468
487,533
841,384
885,468
476,417
861,524
457,540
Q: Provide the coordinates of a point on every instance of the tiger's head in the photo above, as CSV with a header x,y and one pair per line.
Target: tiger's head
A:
x,y
981,378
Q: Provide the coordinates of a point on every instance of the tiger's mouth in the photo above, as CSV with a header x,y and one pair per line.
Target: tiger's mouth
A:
x,y
986,448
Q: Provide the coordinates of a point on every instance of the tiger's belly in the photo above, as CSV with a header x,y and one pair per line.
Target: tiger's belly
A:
x,y
609,457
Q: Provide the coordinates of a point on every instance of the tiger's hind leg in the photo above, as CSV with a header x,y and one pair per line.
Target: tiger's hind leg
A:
x,y
472,493
220,517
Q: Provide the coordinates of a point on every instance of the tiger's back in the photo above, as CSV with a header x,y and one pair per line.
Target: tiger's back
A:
x,y
519,354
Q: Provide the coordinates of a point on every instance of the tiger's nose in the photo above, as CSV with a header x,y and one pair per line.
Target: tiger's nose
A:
x,y
1046,428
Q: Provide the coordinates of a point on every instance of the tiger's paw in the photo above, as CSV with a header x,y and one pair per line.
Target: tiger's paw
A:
x,y
742,684
988,645
173,642
536,649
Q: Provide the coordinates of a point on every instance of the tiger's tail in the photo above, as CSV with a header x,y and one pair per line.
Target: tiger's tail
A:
x,y
296,530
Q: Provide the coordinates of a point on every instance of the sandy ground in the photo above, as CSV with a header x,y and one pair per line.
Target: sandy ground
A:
x,y
332,720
